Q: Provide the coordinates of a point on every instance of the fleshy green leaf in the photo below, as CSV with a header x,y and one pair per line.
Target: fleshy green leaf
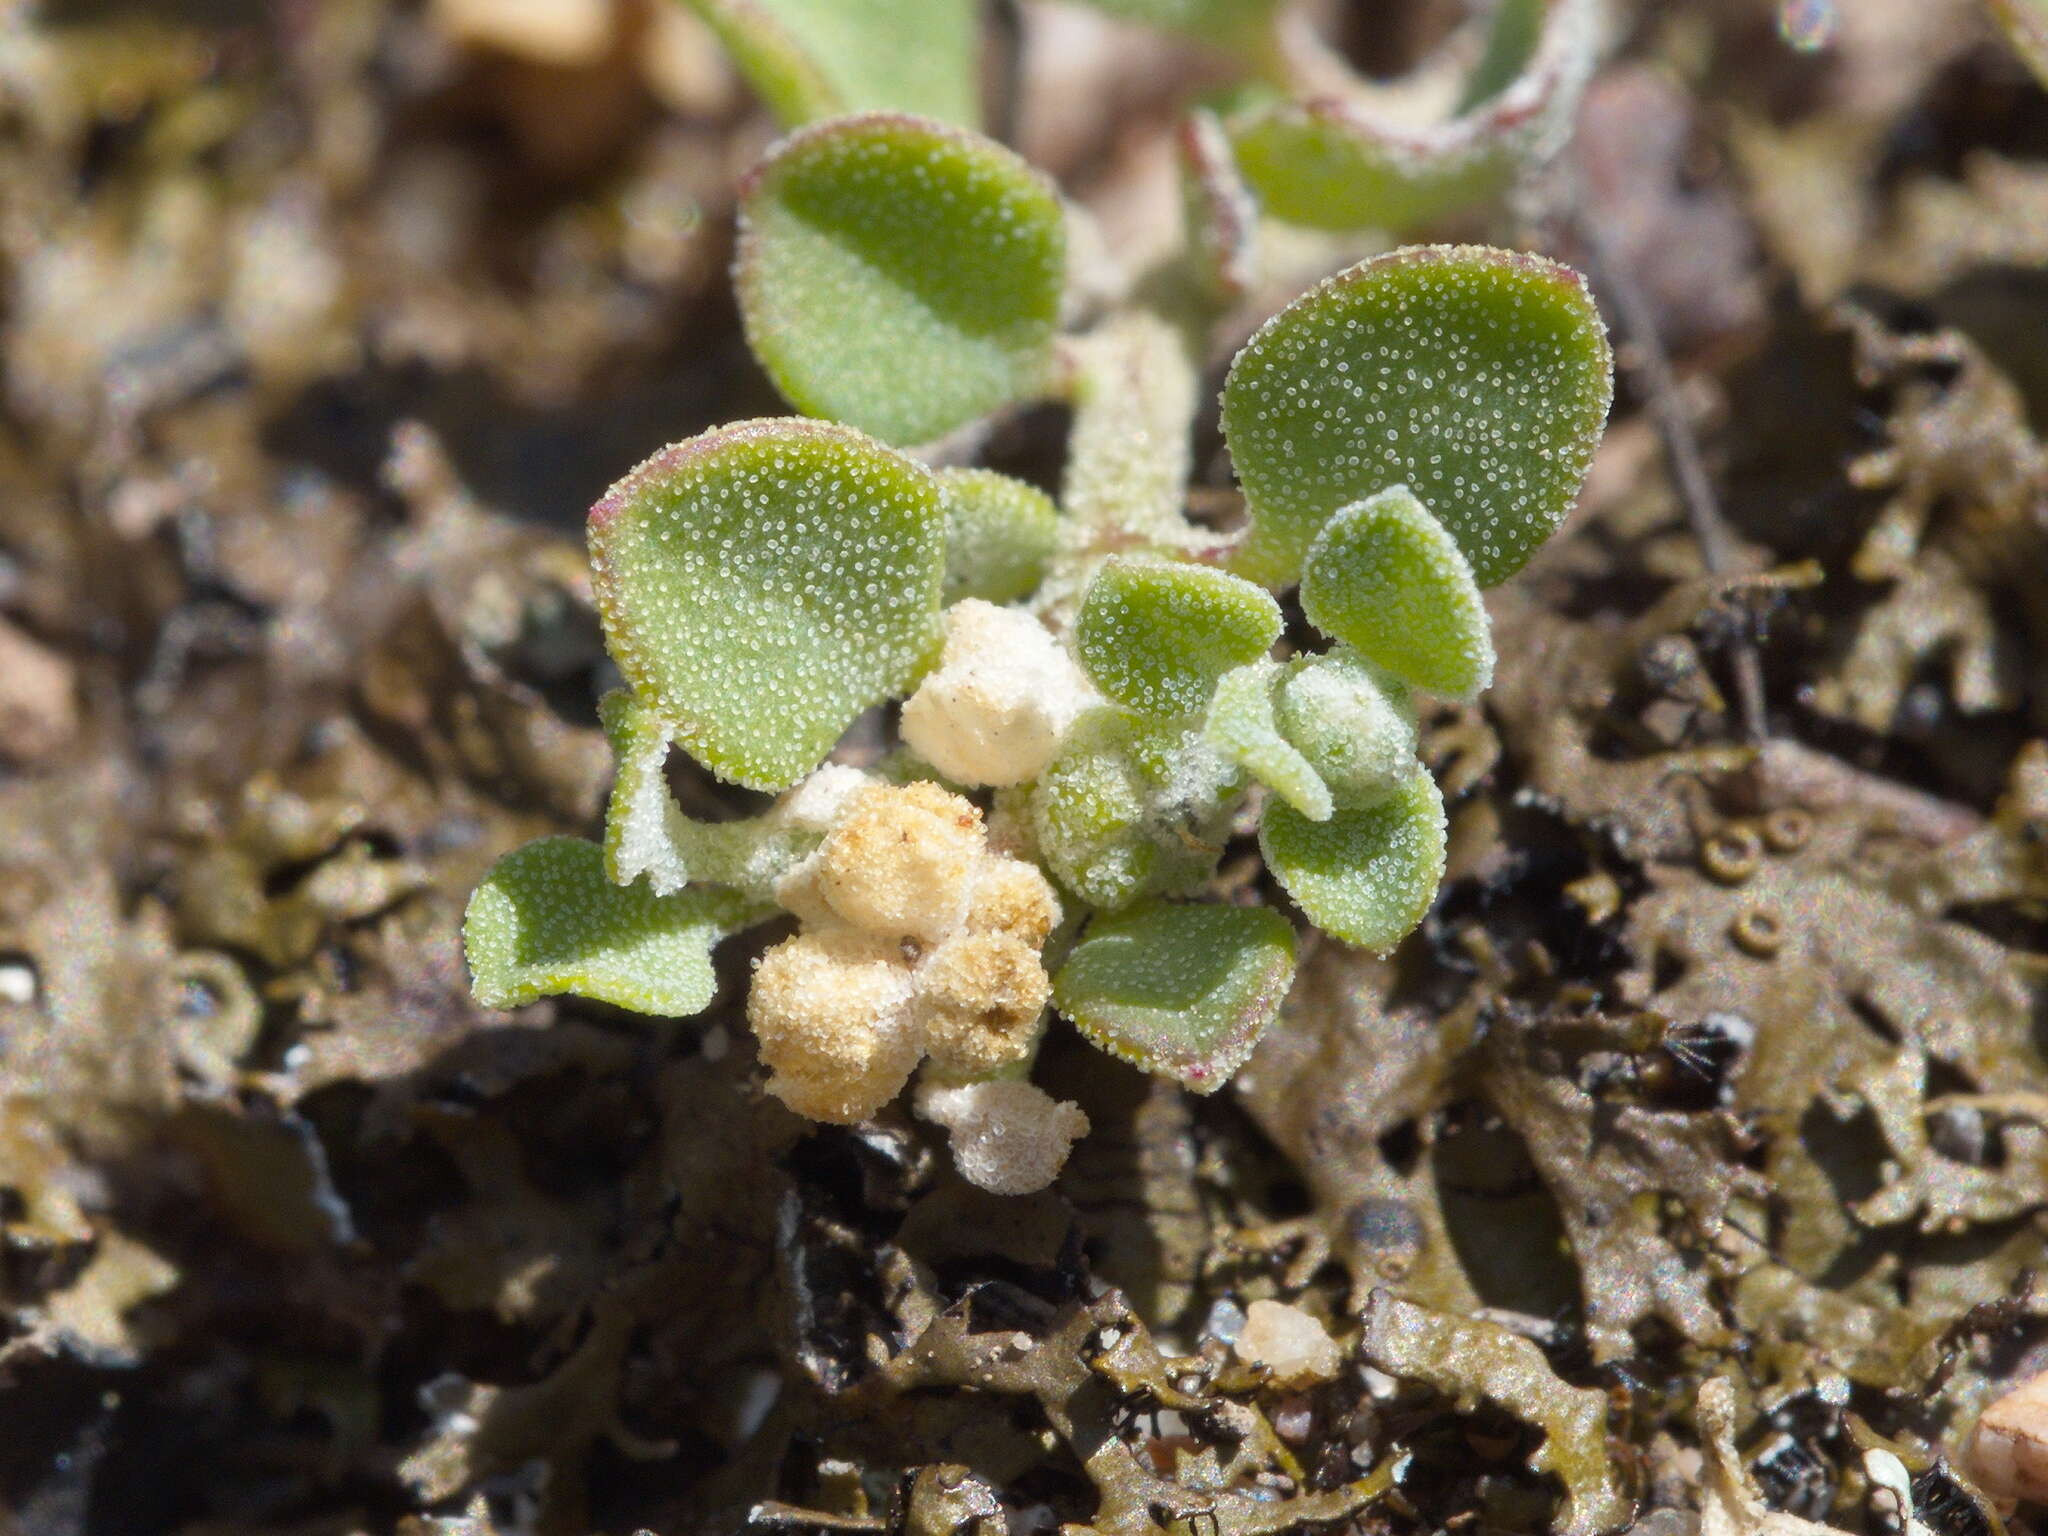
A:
x,y
1132,807
1327,165
546,920
815,58
764,583
1365,876
999,534
1348,161
1353,725
1388,579
1242,727
1156,635
899,275
1479,378
1184,991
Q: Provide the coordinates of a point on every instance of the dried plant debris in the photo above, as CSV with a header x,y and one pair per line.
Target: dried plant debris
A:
x,y
1685,1173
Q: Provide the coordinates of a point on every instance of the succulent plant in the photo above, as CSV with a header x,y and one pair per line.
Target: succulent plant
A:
x,y
1097,699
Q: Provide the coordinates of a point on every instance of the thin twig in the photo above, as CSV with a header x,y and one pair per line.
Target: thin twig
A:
x,y
1681,446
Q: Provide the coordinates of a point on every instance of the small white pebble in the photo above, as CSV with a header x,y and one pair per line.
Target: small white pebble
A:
x,y
1294,1349
2008,1451
716,1044
17,982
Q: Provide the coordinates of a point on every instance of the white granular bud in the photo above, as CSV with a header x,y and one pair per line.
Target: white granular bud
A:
x,y
1002,698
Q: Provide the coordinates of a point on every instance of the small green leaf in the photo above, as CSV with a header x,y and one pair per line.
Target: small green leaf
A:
x,y
1132,807
1184,991
1479,378
1352,724
546,920
999,534
1365,876
1242,727
815,58
764,583
1358,159
1326,165
1388,579
1156,635
899,275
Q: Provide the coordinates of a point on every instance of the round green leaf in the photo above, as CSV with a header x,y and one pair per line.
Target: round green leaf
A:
x,y
1183,991
547,920
1242,727
764,583
1366,875
813,58
1353,725
1388,579
1479,378
999,534
1156,635
900,275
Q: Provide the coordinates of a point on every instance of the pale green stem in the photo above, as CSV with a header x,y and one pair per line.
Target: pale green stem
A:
x,y
1132,383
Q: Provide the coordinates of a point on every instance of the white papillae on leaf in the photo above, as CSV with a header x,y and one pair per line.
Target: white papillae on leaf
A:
x,y
1243,727
1003,696
1156,635
1479,378
547,920
647,835
1133,807
1354,726
917,940
812,58
1367,875
1181,990
1292,1347
644,831
1000,533
1387,578
1008,1136
764,583
900,275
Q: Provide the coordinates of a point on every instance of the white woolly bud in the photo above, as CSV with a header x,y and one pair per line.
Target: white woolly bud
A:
x,y
1002,698
1008,1136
